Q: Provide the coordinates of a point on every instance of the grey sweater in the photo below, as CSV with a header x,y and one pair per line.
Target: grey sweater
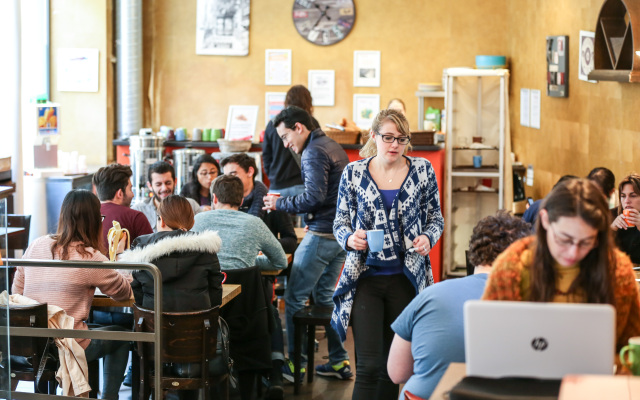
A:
x,y
243,236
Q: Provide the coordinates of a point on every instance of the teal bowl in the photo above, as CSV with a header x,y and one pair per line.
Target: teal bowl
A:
x,y
491,62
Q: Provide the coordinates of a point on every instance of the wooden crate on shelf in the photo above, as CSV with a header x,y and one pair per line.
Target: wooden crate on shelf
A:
x,y
423,138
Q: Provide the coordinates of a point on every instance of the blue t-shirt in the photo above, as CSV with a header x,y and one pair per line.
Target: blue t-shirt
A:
x,y
433,323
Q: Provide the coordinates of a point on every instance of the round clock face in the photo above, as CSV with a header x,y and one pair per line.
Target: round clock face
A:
x,y
324,22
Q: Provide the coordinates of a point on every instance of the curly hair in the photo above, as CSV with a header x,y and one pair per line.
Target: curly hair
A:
x,y
493,234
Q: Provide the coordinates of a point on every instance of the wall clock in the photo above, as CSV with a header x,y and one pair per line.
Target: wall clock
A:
x,y
324,22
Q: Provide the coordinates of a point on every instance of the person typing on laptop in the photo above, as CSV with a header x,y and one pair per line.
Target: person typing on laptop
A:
x,y
429,332
571,259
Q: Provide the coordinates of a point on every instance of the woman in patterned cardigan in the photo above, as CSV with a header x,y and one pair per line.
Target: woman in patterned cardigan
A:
x,y
399,195
572,259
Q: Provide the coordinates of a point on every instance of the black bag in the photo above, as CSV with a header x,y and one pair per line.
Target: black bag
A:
x,y
223,363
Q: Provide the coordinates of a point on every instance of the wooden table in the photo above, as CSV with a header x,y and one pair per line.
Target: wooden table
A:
x,y
454,374
229,291
300,232
10,230
276,272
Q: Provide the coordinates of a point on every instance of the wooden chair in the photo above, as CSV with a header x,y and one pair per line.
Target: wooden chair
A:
x,y
31,347
187,337
20,240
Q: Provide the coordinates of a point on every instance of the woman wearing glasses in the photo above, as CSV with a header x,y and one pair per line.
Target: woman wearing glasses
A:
x,y
397,194
205,170
627,218
571,259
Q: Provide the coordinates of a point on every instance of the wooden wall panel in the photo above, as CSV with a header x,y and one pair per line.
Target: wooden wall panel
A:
x,y
417,39
597,125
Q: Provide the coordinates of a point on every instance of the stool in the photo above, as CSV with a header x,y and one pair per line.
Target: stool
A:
x,y
308,317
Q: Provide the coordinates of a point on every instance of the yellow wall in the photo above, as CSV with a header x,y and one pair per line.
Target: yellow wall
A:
x,y
597,125
86,118
417,39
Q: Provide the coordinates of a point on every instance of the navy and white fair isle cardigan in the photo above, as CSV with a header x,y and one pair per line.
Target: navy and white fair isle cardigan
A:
x,y
415,211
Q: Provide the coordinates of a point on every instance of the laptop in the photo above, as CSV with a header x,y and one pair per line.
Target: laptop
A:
x,y
538,340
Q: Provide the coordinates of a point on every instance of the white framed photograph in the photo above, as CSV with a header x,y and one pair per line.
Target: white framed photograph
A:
x,y
322,85
78,70
586,64
273,104
241,123
365,109
277,67
366,68
222,27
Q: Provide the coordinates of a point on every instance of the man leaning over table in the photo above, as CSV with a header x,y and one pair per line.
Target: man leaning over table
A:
x,y
161,180
319,258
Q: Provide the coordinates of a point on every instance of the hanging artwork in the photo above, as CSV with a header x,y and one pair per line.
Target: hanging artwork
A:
x,y
222,27
557,66
587,64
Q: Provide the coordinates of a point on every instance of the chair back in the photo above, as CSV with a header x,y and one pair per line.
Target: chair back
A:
x,y
250,321
19,241
34,316
187,337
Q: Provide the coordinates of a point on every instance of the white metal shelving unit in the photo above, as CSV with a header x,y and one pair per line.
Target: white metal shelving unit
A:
x,y
421,94
477,106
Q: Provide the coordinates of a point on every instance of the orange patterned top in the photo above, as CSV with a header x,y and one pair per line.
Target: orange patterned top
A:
x,y
510,280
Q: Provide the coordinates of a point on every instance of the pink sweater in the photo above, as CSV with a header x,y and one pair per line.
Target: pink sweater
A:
x,y
68,288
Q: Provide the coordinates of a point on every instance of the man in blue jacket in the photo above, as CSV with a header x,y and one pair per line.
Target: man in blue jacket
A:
x,y
319,258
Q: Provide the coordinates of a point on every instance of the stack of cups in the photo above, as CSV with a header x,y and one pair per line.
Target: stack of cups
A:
x,y
197,135
206,135
216,134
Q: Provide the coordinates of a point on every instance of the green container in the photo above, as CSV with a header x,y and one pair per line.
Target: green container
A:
x,y
206,135
216,134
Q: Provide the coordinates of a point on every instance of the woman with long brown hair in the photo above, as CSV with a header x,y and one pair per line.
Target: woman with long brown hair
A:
x,y
79,238
571,259
626,219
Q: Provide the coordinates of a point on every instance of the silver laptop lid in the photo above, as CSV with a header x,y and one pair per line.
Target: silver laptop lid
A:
x,y
541,340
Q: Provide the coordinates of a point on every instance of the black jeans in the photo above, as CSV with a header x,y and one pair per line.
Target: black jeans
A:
x,y
377,303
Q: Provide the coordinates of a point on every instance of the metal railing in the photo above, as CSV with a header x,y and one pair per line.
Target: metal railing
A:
x,y
154,337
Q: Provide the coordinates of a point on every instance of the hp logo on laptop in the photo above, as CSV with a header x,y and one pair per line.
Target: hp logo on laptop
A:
x,y
539,344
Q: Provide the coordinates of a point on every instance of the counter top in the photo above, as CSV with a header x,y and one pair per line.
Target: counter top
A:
x,y
199,144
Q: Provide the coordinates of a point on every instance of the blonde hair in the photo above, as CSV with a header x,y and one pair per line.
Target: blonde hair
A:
x,y
370,149
176,212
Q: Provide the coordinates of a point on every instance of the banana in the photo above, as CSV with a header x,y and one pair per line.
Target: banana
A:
x,y
113,238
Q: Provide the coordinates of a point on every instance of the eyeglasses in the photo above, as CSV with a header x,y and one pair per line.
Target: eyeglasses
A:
x,y
586,244
206,173
103,216
391,138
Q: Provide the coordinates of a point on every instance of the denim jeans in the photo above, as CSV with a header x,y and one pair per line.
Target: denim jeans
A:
x,y
116,356
316,266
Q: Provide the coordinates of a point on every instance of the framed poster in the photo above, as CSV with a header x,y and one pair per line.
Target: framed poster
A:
x,y
277,67
222,27
273,104
557,66
587,41
241,122
322,85
365,109
366,68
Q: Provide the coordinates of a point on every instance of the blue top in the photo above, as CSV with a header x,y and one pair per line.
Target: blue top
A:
x,y
531,214
433,323
387,198
393,267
